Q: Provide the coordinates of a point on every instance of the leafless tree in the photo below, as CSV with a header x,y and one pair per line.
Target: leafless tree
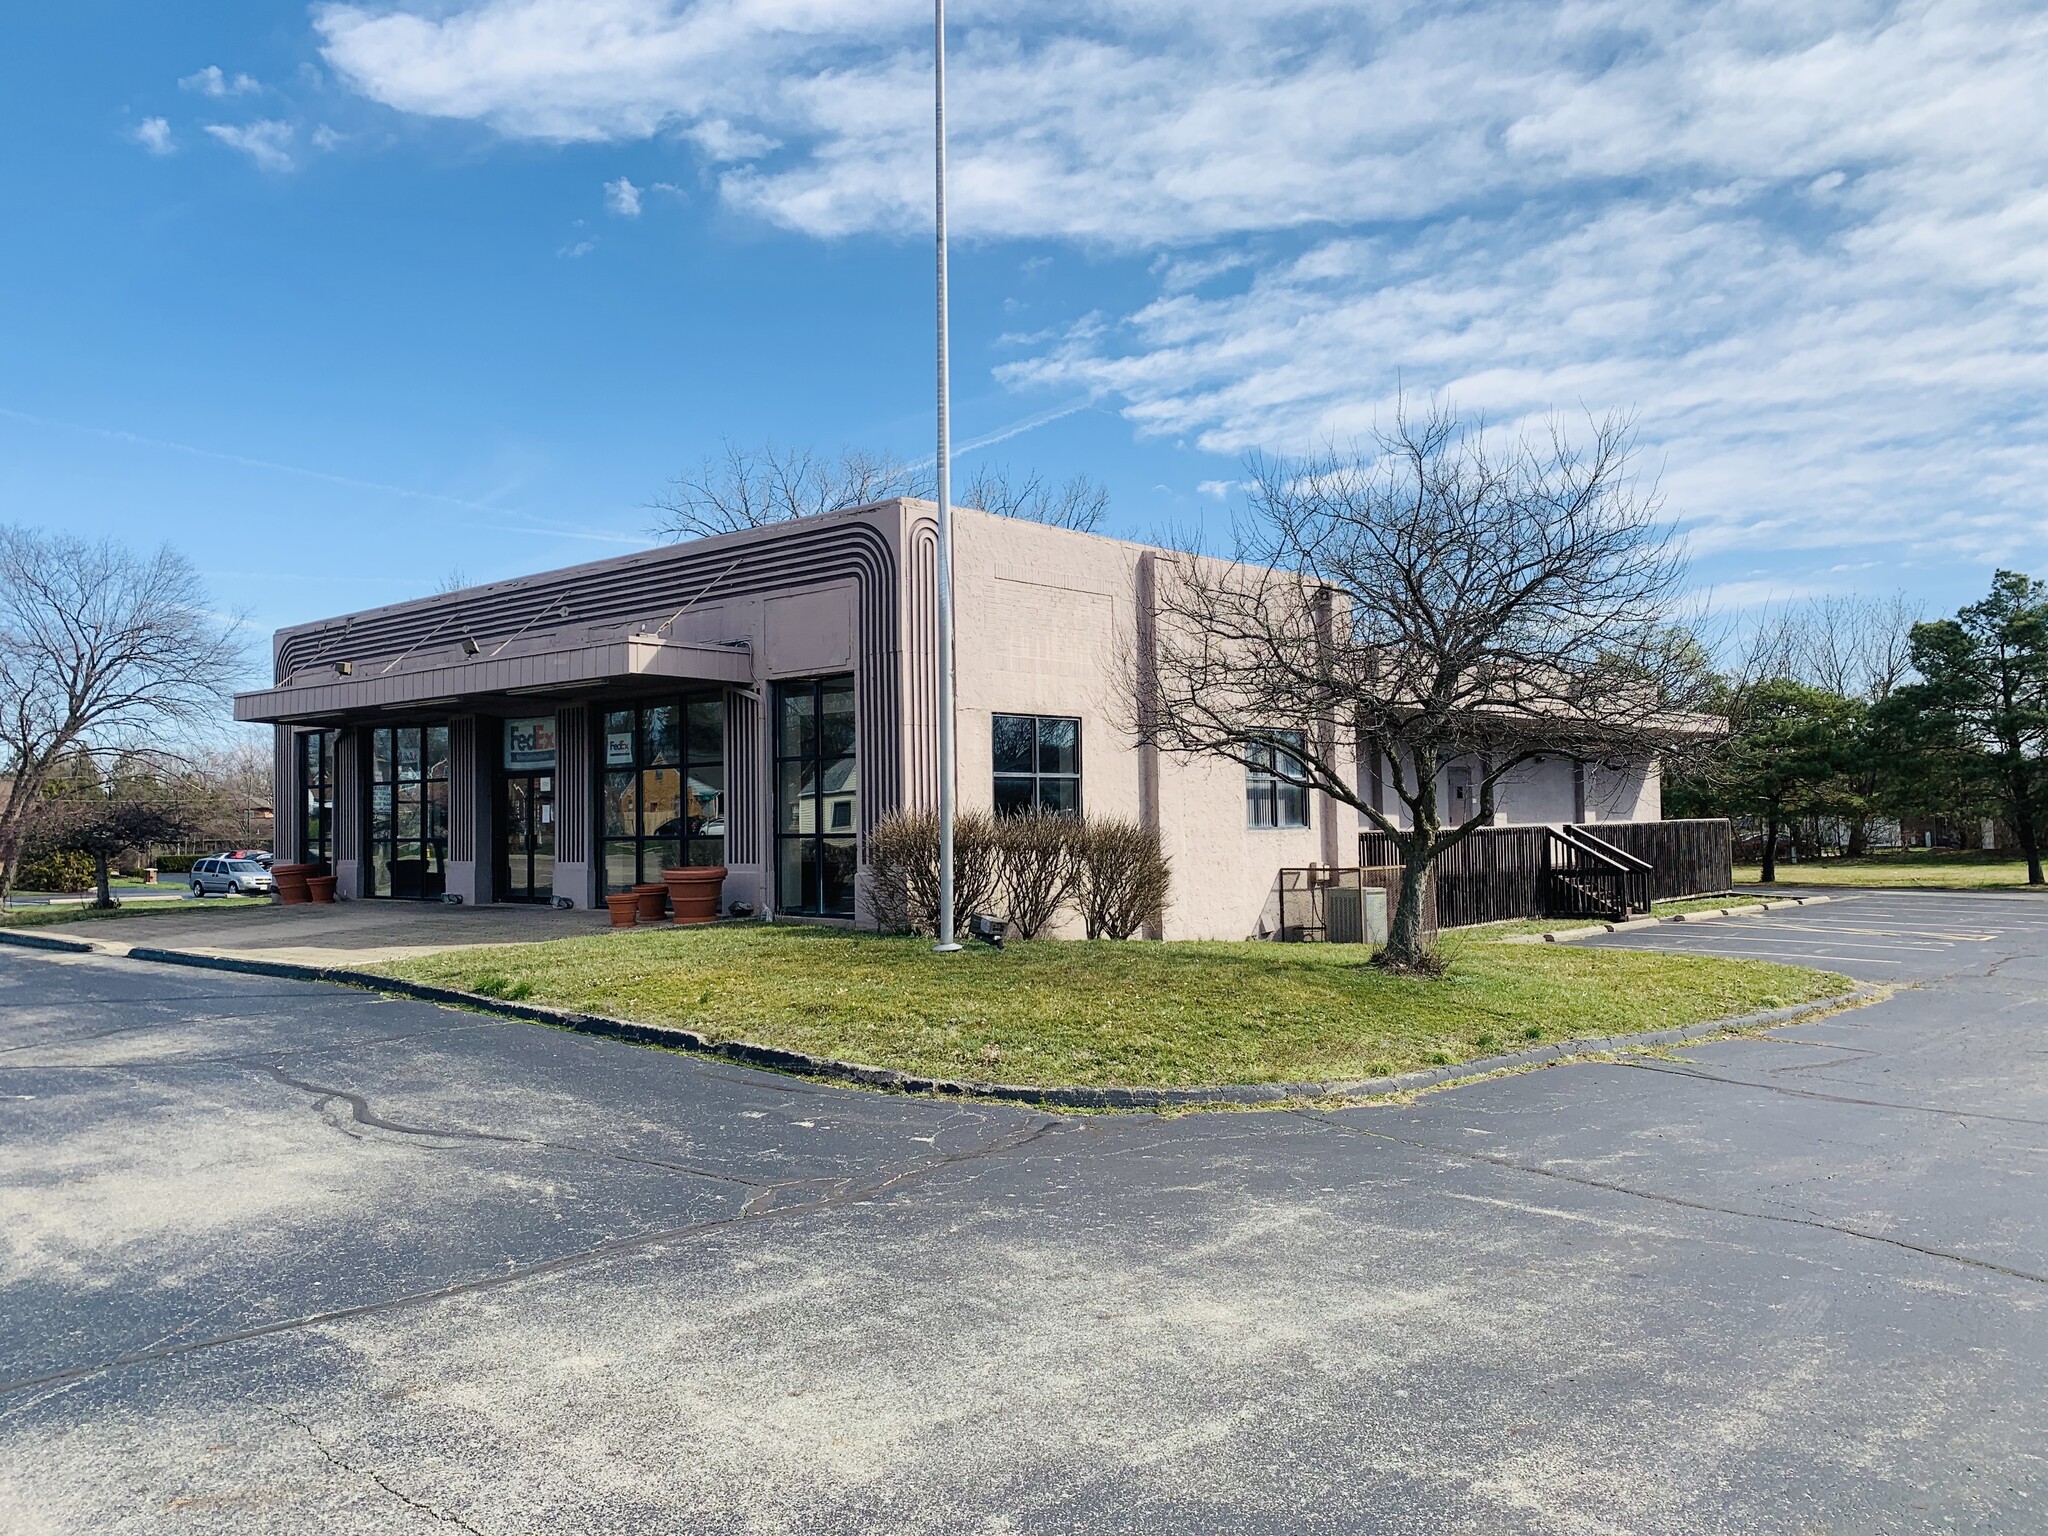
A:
x,y
1857,647
1438,596
224,791
100,648
753,487
1078,503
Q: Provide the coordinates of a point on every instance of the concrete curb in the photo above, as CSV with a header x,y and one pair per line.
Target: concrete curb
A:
x,y
41,941
1593,930
802,1064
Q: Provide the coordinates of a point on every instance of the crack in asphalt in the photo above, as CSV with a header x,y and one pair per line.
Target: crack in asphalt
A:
x,y
1680,1201
378,1478
761,1207
361,1111
1705,1076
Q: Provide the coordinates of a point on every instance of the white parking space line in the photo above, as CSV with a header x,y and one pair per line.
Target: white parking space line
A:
x,y
1890,933
1796,956
1921,946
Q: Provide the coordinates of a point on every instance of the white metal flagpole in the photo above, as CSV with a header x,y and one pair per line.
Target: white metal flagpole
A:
x,y
947,943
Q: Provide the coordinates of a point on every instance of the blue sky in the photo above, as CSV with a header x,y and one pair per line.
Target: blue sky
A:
x,y
343,299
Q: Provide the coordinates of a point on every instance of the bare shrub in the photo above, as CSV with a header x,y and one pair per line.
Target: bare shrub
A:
x,y
903,869
1124,877
1040,861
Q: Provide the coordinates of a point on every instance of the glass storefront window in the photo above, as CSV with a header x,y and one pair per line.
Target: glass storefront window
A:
x,y
817,784
408,823
663,789
316,797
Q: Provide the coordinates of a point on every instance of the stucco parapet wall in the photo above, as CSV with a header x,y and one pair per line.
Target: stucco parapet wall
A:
x,y
539,666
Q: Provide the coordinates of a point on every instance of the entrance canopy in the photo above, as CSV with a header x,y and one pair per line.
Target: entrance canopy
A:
x,y
542,666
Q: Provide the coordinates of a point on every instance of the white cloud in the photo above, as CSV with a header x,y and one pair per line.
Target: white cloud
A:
x,y
578,250
325,137
154,135
623,198
267,142
1808,243
211,81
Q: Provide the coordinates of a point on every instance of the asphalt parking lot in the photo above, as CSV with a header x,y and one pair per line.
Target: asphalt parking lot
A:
x,y
282,1257
1872,935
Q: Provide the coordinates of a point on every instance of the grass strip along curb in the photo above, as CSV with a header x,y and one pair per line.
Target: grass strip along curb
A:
x,y
1594,930
802,1064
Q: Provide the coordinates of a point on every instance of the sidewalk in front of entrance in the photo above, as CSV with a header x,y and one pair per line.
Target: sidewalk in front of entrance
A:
x,y
343,934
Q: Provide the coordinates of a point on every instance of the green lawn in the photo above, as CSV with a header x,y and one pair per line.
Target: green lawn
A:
x,y
1929,868
1099,1013
39,917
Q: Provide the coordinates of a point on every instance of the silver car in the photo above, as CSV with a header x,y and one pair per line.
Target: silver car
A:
x,y
233,877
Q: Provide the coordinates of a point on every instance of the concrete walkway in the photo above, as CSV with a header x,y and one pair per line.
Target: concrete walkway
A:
x,y
349,933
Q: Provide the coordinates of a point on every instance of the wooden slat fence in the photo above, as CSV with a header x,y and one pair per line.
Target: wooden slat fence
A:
x,y
1493,875
1497,873
1691,858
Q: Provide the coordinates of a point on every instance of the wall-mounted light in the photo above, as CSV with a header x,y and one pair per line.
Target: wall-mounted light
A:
x,y
344,669
469,645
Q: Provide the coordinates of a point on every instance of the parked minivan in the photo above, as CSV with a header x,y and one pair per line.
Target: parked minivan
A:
x,y
233,877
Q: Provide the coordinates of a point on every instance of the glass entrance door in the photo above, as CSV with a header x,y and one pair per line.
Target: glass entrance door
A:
x,y
526,867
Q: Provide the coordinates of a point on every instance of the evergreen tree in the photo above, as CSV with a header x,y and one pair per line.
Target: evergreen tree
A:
x,y
1982,702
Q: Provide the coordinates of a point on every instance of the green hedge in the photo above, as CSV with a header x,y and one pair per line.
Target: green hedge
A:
x,y
64,872
177,863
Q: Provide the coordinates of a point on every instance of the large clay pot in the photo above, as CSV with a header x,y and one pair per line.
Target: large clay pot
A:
x,y
624,907
291,882
693,893
653,901
320,888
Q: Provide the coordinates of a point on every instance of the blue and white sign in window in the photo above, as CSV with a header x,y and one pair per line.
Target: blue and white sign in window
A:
x,y
530,745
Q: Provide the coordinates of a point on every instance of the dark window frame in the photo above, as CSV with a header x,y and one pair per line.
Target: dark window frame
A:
x,y
829,847
432,844
313,760
1035,783
1273,797
696,849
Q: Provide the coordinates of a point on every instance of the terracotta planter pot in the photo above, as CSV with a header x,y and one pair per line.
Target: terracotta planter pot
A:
x,y
693,893
320,888
624,907
653,902
291,882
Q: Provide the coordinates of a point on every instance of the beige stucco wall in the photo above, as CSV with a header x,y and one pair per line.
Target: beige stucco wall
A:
x,y
1047,625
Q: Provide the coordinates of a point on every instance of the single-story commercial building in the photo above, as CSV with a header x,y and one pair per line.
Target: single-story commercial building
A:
x,y
758,700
